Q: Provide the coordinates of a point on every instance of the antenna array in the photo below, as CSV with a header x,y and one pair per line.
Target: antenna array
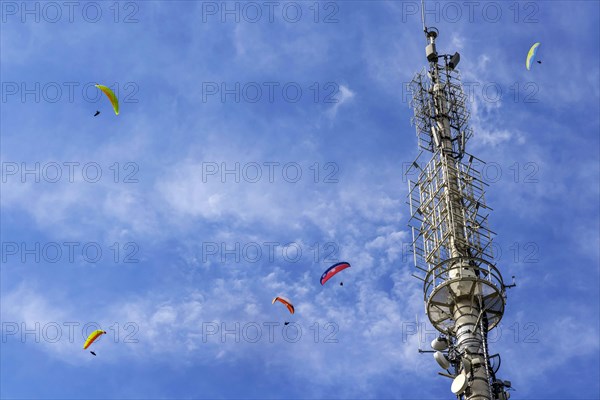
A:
x,y
464,292
458,115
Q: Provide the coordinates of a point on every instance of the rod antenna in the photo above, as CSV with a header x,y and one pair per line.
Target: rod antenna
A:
x,y
423,15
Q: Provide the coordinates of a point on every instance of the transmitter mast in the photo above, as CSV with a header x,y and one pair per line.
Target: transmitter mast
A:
x,y
464,292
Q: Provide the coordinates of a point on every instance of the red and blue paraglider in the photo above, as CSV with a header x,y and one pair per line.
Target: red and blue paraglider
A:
x,y
334,269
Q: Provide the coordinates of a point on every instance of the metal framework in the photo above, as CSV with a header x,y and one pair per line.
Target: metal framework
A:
x,y
464,292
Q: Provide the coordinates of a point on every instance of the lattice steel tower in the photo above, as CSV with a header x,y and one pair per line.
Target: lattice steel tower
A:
x,y
463,290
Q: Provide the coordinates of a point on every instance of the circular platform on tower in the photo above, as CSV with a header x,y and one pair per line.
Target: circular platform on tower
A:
x,y
459,279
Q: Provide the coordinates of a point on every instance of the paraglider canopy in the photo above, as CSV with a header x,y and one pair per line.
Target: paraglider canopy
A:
x,y
285,302
531,55
92,338
334,269
111,96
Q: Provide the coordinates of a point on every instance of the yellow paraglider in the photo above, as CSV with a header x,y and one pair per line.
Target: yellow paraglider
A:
x,y
92,338
531,55
285,302
111,96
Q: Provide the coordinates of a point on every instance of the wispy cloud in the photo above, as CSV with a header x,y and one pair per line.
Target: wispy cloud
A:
x,y
344,95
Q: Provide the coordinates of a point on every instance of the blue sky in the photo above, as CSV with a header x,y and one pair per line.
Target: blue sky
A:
x,y
180,218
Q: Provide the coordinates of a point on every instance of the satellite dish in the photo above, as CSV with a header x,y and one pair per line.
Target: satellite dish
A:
x,y
459,384
439,343
441,359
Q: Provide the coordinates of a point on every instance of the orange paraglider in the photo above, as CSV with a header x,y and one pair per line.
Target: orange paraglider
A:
x,y
285,302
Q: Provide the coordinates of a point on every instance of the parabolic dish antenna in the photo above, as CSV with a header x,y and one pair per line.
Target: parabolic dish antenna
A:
x,y
459,384
441,359
439,344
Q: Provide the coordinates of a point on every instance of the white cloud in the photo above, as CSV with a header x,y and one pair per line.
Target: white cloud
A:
x,y
343,96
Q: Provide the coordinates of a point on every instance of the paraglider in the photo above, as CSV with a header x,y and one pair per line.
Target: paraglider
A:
x,y
285,302
92,338
531,55
111,96
334,269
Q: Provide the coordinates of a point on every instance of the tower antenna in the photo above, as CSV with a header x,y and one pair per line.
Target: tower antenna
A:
x,y
423,15
463,289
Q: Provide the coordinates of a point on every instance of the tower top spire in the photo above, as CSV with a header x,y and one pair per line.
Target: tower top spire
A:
x,y
423,16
